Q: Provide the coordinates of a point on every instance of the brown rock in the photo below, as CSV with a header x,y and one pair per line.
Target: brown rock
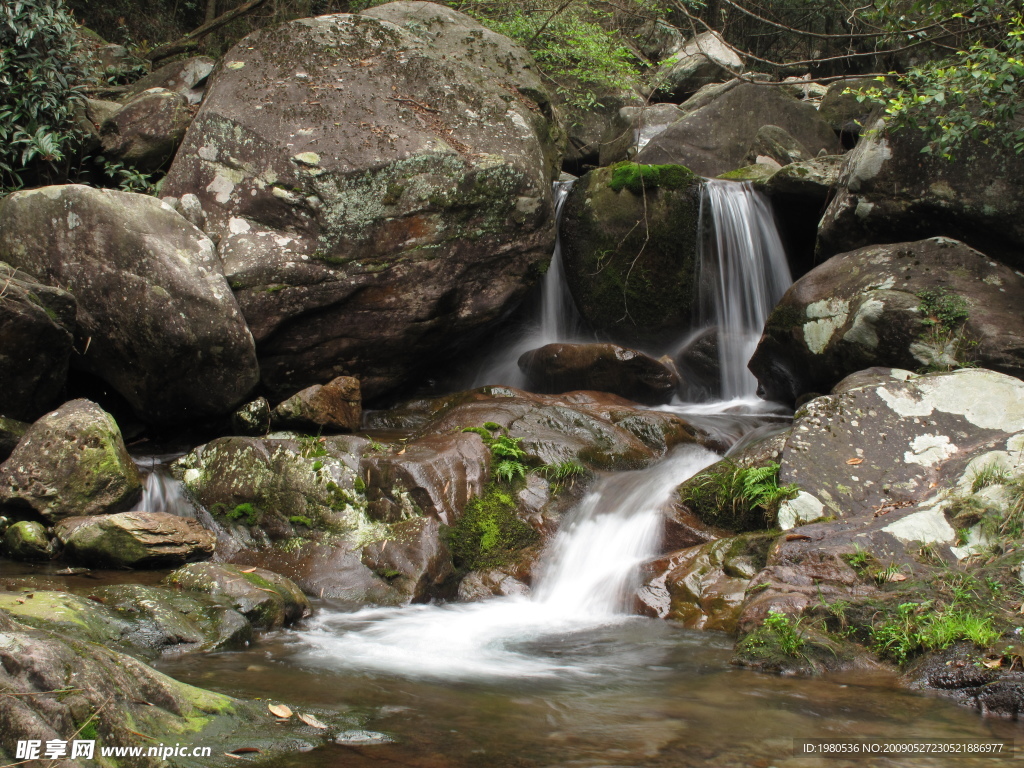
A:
x,y
134,540
336,405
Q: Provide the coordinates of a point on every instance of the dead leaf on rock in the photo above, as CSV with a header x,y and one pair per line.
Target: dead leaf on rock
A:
x,y
798,537
855,461
896,577
311,721
249,570
993,663
280,710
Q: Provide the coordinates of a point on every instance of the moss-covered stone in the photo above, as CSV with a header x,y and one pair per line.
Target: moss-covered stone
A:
x,y
72,461
27,540
630,256
489,534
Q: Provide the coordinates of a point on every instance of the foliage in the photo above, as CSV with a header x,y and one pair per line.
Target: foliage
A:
x,y
975,96
300,520
740,498
37,93
246,512
311,447
778,635
506,454
640,178
570,45
945,341
915,627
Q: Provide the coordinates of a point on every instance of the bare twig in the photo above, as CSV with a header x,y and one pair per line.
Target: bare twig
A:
x,y
191,40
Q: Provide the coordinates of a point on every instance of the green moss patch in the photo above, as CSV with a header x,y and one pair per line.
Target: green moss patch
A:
x,y
488,535
642,178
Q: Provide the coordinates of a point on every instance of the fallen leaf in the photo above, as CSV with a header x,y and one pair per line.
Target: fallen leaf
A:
x,y
896,577
993,663
401,452
798,537
249,570
855,461
279,710
312,721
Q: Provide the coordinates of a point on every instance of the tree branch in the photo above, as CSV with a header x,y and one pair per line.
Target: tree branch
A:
x,y
191,40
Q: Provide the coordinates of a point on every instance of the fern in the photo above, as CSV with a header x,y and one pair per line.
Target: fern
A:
x,y
508,470
507,447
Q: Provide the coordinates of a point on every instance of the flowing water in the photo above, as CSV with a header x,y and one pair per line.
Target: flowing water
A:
x,y
566,676
161,491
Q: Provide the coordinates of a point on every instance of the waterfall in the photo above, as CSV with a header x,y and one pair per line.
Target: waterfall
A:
x,y
557,320
743,273
162,492
588,581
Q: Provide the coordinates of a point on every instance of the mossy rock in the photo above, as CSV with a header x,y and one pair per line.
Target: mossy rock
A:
x,y
630,248
267,599
27,540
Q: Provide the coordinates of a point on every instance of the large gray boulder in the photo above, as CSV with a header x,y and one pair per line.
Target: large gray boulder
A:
x,y
629,249
185,76
146,132
890,192
71,462
37,330
156,318
714,137
632,128
933,305
703,59
380,184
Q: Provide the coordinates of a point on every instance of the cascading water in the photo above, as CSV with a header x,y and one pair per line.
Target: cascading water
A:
x,y
590,572
558,318
587,581
743,274
162,492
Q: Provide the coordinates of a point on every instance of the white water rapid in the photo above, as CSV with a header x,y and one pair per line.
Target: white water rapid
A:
x,y
162,492
587,581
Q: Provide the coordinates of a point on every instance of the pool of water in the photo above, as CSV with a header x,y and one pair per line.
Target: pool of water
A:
x,y
626,692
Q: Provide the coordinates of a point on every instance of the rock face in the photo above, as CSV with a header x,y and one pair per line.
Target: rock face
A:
x,y
776,144
632,128
11,432
629,250
932,304
889,192
556,368
134,540
146,132
156,317
336,405
366,242
132,696
71,462
905,475
37,330
703,59
715,134
265,598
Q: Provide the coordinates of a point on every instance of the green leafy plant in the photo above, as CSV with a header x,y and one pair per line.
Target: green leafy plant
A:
x,y
740,498
245,512
859,559
38,71
778,636
312,447
944,341
990,474
915,627
488,534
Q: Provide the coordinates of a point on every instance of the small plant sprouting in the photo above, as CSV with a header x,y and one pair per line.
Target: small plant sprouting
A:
x,y
990,474
859,559
741,498
944,315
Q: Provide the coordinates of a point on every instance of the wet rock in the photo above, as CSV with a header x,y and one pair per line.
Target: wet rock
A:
x,y
629,248
599,431
27,540
71,462
890,192
11,432
336,405
956,673
146,132
414,559
134,540
363,252
156,318
587,126
556,368
480,585
37,327
436,474
268,600
931,304
776,144
132,697
300,507
146,622
252,419
185,76
702,60
703,587
714,136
